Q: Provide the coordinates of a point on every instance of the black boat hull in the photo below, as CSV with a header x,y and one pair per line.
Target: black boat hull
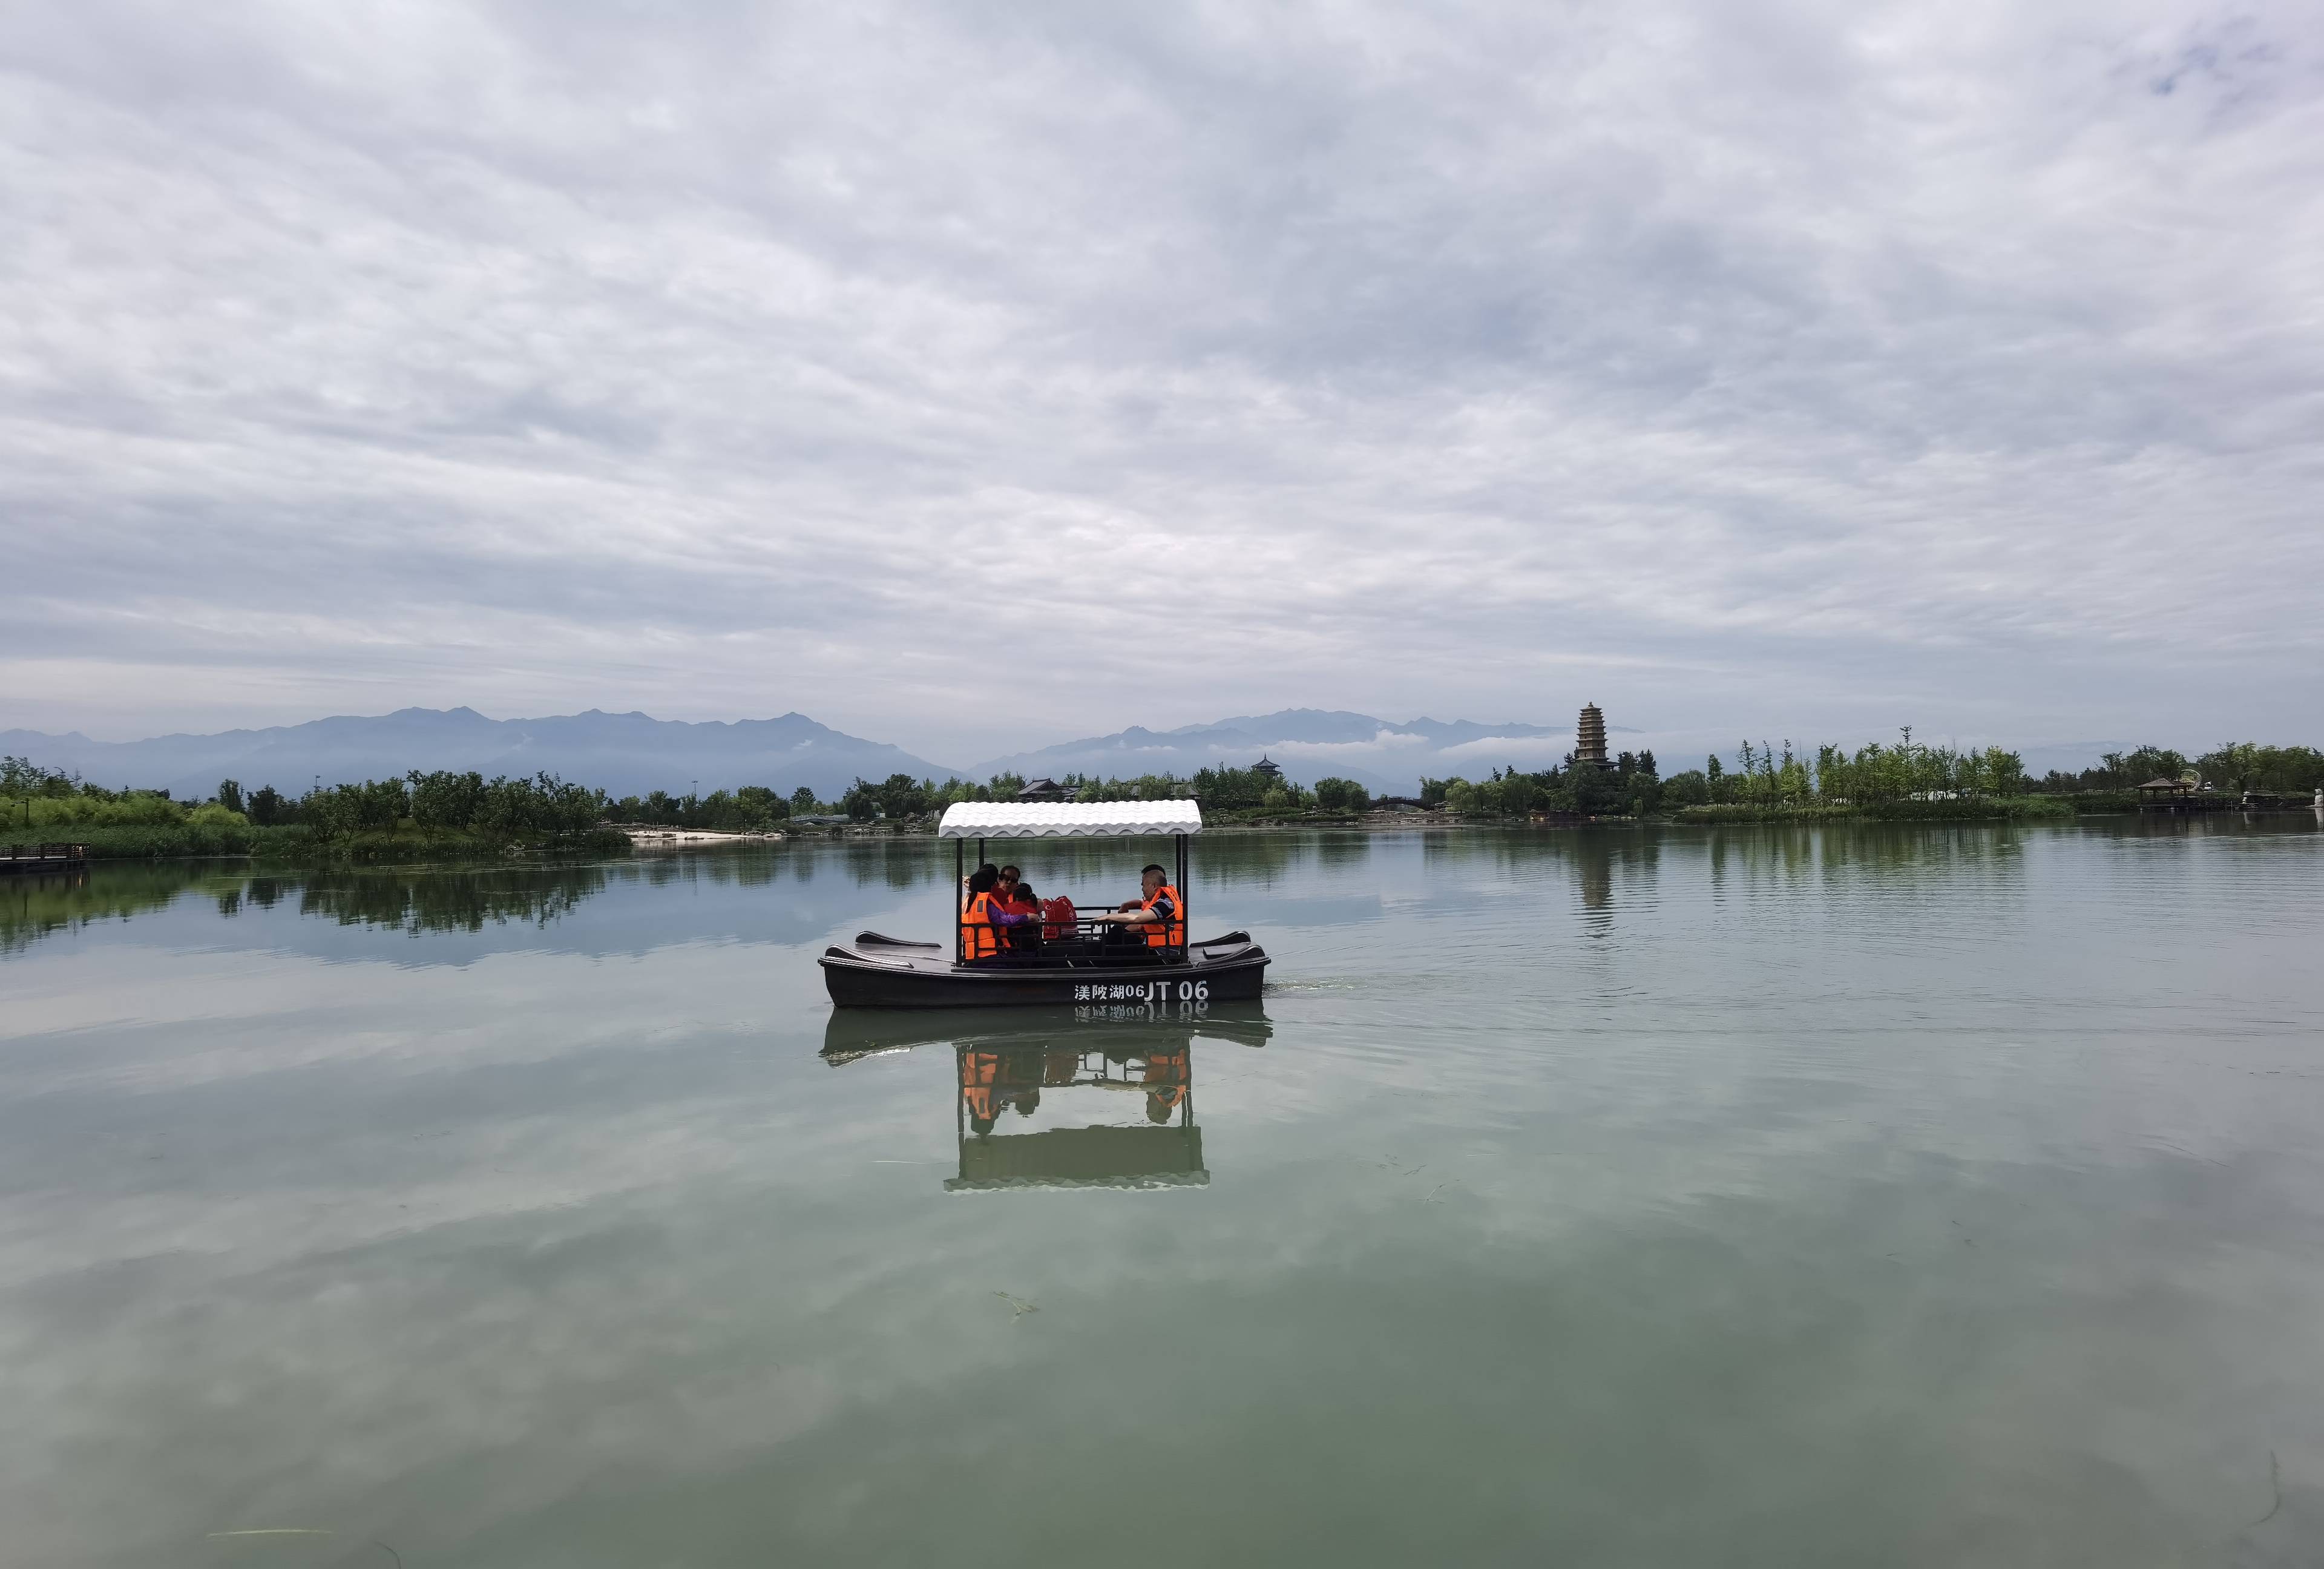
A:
x,y
877,972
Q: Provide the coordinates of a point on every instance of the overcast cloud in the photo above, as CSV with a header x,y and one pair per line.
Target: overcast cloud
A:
x,y
1798,369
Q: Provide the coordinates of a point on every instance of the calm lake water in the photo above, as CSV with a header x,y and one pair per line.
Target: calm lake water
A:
x,y
1855,1196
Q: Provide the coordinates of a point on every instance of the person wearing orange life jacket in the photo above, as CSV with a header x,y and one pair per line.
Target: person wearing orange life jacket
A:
x,y
1018,898
1159,916
983,912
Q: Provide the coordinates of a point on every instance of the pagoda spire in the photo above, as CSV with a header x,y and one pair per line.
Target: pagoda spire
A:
x,y
1590,738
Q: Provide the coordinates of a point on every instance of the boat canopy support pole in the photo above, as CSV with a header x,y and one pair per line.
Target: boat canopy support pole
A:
x,y
1185,906
959,923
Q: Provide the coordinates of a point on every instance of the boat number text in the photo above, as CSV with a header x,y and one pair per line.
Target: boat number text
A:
x,y
1145,991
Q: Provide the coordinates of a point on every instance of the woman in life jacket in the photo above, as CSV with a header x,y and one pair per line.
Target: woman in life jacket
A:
x,y
983,914
1159,916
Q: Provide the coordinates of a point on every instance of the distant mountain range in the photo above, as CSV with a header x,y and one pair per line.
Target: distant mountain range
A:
x,y
632,753
620,753
1387,757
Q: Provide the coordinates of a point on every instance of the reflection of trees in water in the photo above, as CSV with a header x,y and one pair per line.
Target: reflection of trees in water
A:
x,y
1260,859
1896,846
2229,824
755,868
899,862
33,905
1598,862
1342,850
430,899
1862,854
447,901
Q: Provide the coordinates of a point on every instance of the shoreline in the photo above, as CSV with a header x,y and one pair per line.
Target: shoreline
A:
x,y
623,843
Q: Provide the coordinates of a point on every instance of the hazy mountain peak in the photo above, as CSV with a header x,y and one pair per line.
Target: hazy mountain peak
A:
x,y
623,753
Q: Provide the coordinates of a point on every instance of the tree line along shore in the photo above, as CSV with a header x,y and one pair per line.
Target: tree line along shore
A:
x,y
446,815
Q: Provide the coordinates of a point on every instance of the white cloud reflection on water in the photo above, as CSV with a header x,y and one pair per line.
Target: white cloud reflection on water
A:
x,y
1872,1194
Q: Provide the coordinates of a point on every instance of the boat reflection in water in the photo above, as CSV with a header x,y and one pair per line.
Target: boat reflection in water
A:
x,y
1125,1076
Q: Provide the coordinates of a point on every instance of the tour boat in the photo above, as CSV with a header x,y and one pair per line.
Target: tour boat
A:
x,y
1093,966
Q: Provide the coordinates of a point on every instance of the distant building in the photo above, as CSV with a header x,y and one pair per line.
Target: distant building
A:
x,y
1044,789
1273,770
1590,739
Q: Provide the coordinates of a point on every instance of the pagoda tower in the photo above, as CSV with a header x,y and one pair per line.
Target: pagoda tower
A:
x,y
1590,739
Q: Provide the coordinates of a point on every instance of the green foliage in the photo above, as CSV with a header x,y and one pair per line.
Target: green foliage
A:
x,y
103,808
1234,789
1342,795
2242,765
502,809
1146,787
216,835
752,809
1691,789
1745,812
1910,770
229,794
1766,779
2123,771
446,801
21,776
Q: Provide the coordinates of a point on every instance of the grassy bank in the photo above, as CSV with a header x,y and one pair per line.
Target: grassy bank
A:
x,y
298,845
161,841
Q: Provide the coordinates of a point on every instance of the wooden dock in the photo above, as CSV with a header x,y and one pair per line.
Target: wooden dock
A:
x,y
44,858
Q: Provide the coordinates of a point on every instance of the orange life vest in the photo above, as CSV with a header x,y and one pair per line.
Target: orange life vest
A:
x,y
978,940
1167,1078
979,1071
1169,933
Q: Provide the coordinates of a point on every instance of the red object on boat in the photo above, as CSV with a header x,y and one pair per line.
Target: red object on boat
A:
x,y
1057,918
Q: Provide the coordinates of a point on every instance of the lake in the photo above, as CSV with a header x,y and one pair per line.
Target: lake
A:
x,y
1854,1195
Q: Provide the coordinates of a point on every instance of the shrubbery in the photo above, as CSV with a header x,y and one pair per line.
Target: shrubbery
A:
x,y
499,808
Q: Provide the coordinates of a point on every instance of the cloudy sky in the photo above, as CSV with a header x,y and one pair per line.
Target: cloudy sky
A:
x,y
975,374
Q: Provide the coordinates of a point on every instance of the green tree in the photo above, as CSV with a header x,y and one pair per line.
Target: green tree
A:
x,y
1691,787
229,794
443,799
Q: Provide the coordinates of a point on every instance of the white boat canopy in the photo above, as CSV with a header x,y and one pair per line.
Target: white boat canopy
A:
x,y
1068,819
